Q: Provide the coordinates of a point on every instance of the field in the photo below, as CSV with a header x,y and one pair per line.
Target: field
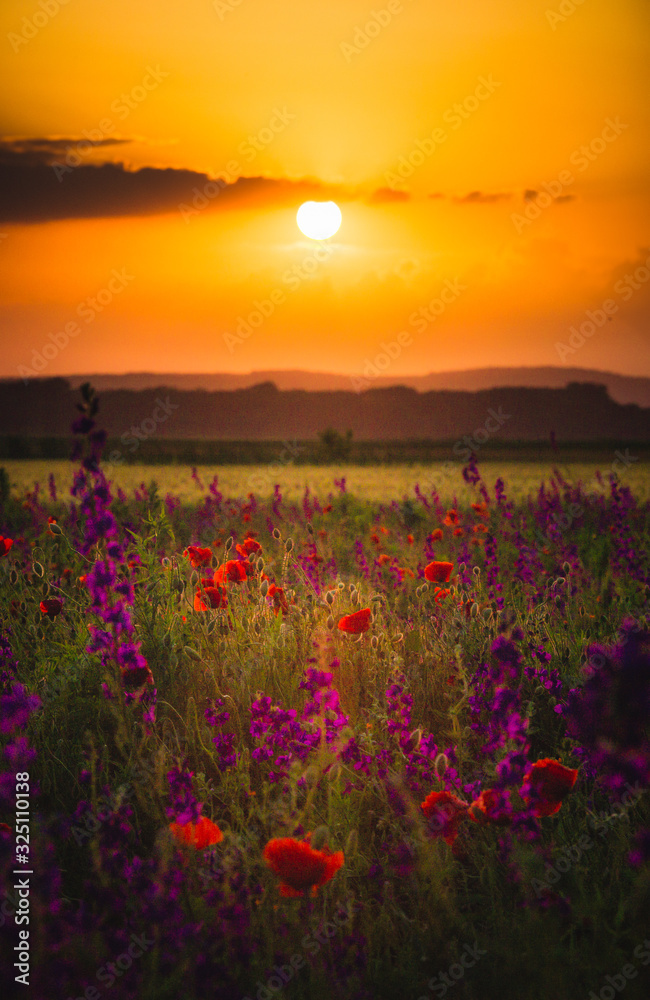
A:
x,y
361,741
374,483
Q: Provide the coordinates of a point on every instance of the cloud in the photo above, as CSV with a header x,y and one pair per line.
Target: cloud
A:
x,y
530,195
385,195
480,198
37,186
47,149
436,194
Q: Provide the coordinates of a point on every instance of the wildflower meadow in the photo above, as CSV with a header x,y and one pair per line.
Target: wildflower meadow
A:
x,y
328,747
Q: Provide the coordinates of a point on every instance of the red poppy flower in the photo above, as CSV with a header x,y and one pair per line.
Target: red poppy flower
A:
x,y
438,572
458,532
358,621
375,538
5,545
198,835
279,600
451,519
480,508
52,607
444,812
233,571
479,529
383,558
409,539
441,596
549,781
250,545
327,509
299,867
198,557
215,596
487,809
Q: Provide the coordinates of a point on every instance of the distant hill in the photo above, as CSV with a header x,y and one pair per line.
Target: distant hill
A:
x,y
621,388
579,412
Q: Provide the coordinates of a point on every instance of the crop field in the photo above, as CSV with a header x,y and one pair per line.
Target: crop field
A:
x,y
324,732
374,483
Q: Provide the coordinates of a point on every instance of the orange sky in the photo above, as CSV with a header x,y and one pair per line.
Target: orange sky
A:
x,y
514,138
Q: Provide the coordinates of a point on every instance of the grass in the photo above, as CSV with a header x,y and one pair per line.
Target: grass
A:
x,y
409,712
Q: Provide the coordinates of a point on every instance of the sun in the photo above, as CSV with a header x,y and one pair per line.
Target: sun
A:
x,y
319,219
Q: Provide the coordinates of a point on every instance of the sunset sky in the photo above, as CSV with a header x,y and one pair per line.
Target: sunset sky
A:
x,y
490,159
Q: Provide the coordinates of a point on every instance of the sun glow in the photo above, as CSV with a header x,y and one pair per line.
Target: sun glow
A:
x,y
319,219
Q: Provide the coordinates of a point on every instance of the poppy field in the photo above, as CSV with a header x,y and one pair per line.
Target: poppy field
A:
x,y
324,746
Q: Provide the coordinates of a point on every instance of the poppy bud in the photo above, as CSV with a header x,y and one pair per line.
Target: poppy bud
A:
x,y
566,567
310,530
354,597
264,588
260,565
55,529
374,642
441,764
38,569
461,567
166,561
476,571
194,578
351,844
229,544
319,838
330,622
341,585
276,534
329,597
13,576
288,545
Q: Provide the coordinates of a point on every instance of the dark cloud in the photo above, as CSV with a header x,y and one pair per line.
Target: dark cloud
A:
x,y
480,198
530,195
561,198
49,149
436,194
38,185
385,195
